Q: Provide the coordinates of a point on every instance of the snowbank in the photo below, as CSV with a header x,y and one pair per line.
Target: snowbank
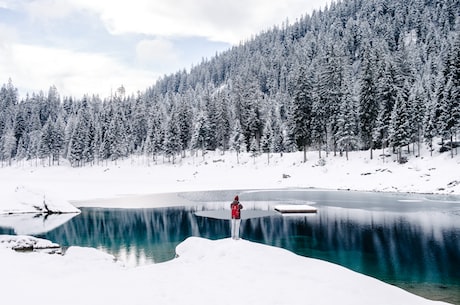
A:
x,y
19,242
205,272
23,199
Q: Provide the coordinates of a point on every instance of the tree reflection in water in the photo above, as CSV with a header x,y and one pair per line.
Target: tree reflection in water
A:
x,y
136,236
396,246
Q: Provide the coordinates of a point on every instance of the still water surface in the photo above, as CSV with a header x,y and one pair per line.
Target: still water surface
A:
x,y
412,241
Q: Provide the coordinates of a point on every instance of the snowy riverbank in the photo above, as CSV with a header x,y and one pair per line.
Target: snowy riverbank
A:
x,y
136,176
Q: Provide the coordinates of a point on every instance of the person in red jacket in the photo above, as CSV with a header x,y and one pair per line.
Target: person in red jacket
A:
x,y
236,207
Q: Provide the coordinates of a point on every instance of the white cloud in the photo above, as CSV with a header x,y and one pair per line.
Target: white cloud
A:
x,y
7,4
34,68
220,20
156,52
48,9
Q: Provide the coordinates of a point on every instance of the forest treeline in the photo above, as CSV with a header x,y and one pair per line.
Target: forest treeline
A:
x,y
358,75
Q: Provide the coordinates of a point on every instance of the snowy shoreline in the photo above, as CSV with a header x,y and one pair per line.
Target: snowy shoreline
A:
x,y
109,185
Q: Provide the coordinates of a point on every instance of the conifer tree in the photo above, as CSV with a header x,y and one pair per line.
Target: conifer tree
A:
x,y
449,102
429,123
254,149
79,140
416,101
386,94
200,138
301,113
368,104
185,123
172,142
237,142
7,145
400,123
58,139
139,122
347,119
46,141
267,141
222,122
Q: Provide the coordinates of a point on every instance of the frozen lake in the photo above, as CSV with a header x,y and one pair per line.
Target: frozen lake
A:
x,y
412,241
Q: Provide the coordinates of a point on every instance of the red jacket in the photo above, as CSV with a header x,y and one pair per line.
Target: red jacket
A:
x,y
236,207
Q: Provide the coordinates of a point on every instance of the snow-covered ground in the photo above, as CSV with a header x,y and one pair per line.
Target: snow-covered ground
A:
x,y
206,272
137,176
22,200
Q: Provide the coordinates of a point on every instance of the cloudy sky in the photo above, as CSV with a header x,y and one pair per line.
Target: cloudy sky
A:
x,y
94,46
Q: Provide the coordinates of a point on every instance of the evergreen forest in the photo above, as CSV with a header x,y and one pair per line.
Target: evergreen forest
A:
x,y
357,75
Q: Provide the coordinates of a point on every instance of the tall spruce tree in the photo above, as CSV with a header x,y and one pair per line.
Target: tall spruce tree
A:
x,y
301,113
368,103
400,123
237,141
449,102
347,118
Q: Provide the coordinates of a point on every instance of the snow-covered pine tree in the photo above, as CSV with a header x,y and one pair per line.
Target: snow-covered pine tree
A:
x,y
46,141
279,133
222,115
7,145
429,124
416,101
20,125
185,122
400,123
8,108
254,149
254,123
368,104
34,133
172,143
139,122
449,102
237,141
155,134
80,137
52,140
267,140
301,112
386,94
200,137
329,72
347,117
58,139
